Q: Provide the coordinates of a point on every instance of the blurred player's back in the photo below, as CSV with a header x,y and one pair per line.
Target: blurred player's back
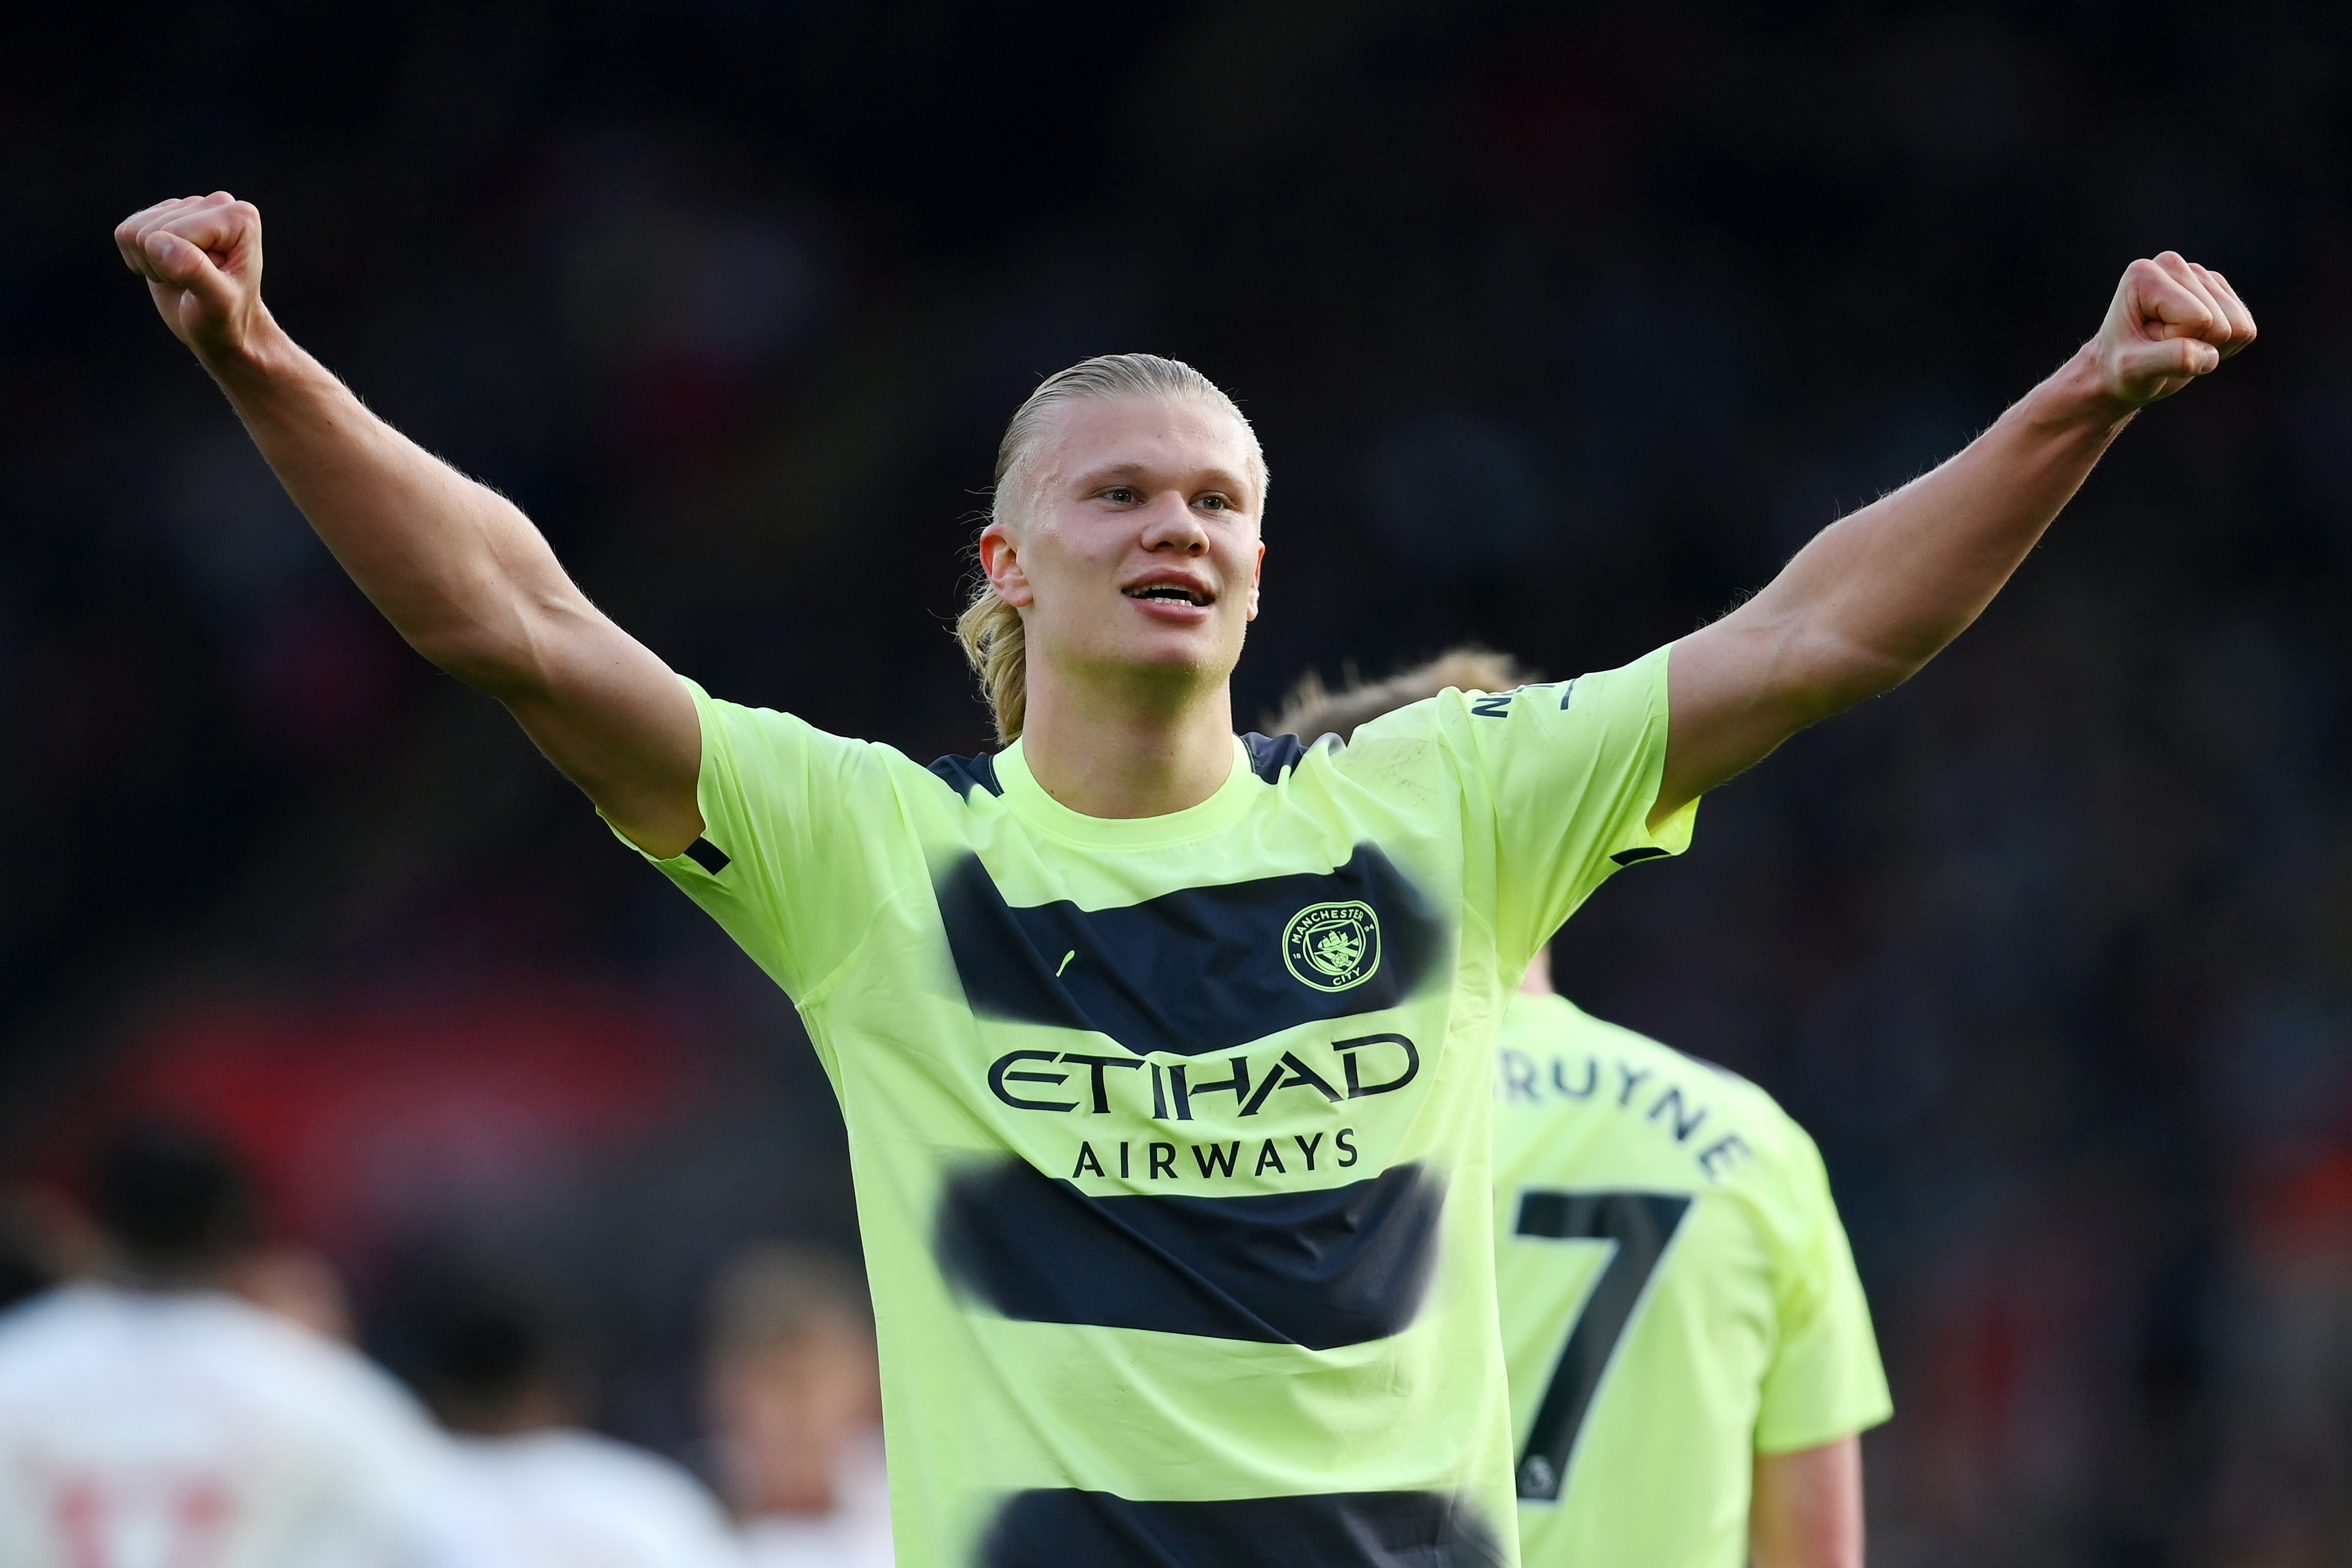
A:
x,y
1677,1296
1689,1352
160,1422
186,1429
496,1373
576,1500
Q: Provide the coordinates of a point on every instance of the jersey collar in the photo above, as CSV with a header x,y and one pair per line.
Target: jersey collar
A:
x,y
1027,799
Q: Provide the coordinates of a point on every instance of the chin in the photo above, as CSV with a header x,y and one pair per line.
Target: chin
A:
x,y
1188,655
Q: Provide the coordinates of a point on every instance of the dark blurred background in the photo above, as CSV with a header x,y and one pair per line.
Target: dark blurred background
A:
x,y
1561,330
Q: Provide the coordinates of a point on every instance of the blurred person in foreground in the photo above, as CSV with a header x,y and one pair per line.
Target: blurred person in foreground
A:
x,y
796,1410
568,1497
1690,1376
150,1414
1160,1049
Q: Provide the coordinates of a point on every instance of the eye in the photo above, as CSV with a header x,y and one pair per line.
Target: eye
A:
x,y
1120,494
1214,503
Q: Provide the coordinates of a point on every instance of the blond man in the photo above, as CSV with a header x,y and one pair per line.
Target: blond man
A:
x,y
1162,1051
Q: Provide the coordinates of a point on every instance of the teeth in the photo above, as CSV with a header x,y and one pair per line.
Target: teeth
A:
x,y
1169,592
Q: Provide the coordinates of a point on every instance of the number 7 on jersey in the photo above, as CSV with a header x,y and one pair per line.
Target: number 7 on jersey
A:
x,y
1641,1225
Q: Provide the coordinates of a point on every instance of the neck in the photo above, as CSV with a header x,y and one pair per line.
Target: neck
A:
x,y
1109,749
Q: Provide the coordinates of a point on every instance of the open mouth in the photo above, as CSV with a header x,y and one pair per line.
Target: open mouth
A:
x,y
1170,593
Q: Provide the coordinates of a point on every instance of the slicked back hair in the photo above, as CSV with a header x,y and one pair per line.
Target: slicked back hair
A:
x,y
1313,710
989,629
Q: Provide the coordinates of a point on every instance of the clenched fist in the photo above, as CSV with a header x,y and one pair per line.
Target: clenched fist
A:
x,y
201,257
2172,321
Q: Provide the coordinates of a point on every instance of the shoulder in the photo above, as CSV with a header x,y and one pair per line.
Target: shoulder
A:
x,y
1401,747
966,774
619,1477
1272,756
339,1391
1555,1023
765,734
591,1455
318,1385
1750,1139
34,1331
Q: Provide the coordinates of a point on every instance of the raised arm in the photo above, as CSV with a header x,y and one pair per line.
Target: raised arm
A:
x,y
1877,594
455,566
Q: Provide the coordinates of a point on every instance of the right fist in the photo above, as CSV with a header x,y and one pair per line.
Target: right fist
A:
x,y
201,257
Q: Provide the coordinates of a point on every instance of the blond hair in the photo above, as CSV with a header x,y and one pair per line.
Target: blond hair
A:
x,y
1313,710
775,1291
990,630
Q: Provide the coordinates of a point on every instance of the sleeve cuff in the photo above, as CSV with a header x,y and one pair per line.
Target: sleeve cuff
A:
x,y
1672,838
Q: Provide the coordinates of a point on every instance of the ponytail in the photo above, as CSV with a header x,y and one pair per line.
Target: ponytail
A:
x,y
993,641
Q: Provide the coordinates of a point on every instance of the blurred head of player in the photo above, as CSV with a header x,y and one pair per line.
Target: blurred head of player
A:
x,y
489,1365
1314,710
794,1386
172,1208
1122,549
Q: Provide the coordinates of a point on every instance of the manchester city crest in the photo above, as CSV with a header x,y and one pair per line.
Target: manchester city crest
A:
x,y
1332,947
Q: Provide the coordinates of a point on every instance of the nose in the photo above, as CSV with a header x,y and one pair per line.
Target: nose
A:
x,y
1170,524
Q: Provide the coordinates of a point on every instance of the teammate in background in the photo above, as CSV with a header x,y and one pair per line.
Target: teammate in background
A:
x,y
153,1417
796,1410
1690,1355
1160,1049
569,1498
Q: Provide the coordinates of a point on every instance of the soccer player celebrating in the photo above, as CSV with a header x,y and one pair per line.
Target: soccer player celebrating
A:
x,y
1687,1384
1160,1049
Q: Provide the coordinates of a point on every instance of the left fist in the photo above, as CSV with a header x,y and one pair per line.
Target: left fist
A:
x,y
2172,321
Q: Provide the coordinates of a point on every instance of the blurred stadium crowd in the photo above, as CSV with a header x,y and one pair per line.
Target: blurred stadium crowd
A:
x,y
1560,333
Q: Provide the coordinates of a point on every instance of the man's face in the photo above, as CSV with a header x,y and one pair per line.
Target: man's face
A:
x,y
1134,543
786,1411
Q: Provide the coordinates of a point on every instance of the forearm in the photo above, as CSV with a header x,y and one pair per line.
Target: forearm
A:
x,y
1874,596
457,568
1806,1508
1877,594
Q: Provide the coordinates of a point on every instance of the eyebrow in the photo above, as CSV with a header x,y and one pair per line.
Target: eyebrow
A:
x,y
1111,473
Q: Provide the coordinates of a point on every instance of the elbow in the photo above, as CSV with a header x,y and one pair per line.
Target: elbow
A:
x,y
1826,671
493,661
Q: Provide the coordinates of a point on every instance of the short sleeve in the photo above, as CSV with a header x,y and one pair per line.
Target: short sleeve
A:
x,y
1825,1381
1568,771
804,839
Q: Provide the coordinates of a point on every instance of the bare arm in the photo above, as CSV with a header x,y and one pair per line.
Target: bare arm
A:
x,y
456,566
1875,595
1806,1511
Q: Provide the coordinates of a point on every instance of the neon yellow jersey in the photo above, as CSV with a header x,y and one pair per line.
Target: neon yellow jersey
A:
x,y
1170,1134
1678,1294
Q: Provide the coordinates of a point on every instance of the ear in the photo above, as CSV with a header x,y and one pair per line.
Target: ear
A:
x,y
1257,572
1000,562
